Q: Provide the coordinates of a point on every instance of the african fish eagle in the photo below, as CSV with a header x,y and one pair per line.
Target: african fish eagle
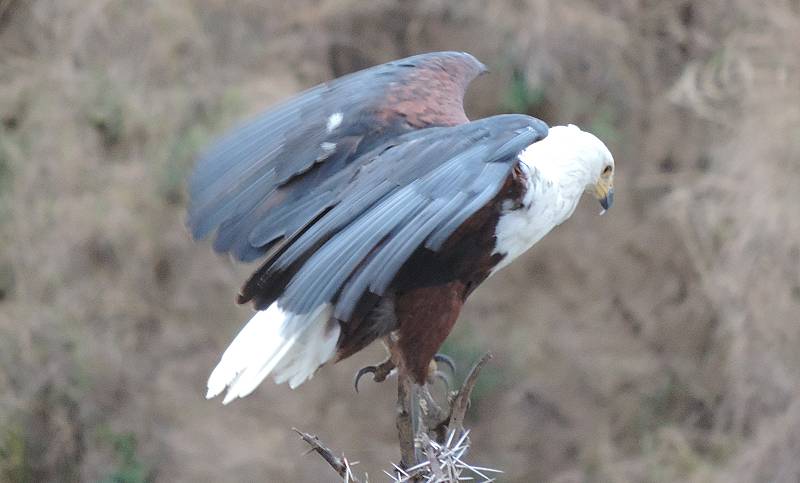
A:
x,y
376,207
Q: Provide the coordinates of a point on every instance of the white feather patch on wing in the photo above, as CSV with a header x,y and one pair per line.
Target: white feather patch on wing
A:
x,y
292,345
334,121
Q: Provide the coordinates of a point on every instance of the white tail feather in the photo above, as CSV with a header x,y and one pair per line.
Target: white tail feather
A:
x,y
314,348
289,345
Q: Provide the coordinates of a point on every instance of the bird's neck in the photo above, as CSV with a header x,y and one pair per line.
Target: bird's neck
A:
x,y
549,200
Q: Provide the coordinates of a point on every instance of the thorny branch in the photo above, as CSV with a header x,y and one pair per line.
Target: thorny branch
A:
x,y
460,404
339,465
441,437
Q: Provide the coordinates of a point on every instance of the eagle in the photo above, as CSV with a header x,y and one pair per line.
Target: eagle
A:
x,y
375,208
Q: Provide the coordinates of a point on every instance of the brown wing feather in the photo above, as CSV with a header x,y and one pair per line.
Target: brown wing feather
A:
x,y
432,94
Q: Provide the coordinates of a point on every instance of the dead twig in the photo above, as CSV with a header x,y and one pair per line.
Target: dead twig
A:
x,y
460,404
339,465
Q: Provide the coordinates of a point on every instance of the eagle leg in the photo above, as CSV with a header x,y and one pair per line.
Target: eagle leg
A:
x,y
379,372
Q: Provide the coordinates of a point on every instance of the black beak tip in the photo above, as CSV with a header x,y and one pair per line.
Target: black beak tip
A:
x,y
608,201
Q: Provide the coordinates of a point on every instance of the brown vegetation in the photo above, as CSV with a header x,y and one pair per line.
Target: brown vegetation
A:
x,y
658,343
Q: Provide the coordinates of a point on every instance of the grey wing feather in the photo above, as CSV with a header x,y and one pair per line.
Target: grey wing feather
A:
x,y
325,272
275,164
368,236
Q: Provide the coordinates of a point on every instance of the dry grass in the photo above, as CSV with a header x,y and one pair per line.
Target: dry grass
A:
x,y
655,344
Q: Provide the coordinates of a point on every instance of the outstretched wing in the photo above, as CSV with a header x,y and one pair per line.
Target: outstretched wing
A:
x,y
262,181
413,194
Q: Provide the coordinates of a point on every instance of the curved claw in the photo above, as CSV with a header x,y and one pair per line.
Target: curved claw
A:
x,y
446,360
362,371
379,372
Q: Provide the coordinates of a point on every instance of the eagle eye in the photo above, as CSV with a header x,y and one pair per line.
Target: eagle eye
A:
x,y
607,170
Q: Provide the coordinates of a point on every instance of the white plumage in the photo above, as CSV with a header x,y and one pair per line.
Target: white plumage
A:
x,y
559,169
289,345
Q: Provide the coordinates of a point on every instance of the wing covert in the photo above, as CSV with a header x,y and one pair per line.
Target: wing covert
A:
x,y
273,174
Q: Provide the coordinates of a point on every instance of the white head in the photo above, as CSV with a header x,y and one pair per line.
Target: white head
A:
x,y
576,160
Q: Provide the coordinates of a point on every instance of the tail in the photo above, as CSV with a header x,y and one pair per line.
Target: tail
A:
x,y
292,346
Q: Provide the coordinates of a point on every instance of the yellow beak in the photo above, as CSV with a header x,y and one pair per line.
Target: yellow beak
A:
x,y
604,192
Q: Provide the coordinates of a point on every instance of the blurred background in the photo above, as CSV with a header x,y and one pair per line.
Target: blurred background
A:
x,y
658,343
